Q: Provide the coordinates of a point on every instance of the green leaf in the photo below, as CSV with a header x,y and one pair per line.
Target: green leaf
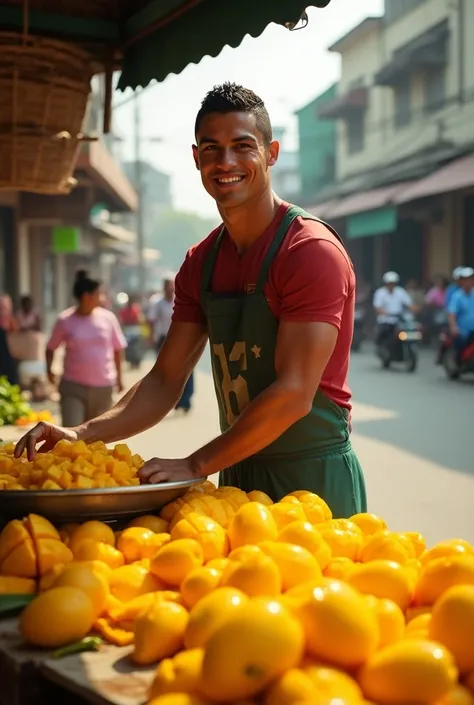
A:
x,y
14,603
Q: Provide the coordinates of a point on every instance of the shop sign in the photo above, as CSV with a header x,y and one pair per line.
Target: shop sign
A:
x,y
66,240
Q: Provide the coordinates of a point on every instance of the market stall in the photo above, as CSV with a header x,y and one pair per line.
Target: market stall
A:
x,y
218,596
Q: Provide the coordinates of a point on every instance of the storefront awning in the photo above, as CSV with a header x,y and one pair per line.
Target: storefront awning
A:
x,y
149,39
98,163
320,209
345,105
115,232
366,201
371,223
425,52
454,176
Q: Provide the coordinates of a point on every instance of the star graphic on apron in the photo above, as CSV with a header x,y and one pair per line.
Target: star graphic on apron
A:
x,y
256,351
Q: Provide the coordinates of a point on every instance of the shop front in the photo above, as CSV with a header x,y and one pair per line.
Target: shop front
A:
x,y
7,252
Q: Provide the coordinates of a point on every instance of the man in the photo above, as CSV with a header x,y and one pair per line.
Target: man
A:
x,y
161,312
454,286
461,312
389,303
160,318
273,292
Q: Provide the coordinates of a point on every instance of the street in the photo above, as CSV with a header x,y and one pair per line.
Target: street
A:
x,y
411,433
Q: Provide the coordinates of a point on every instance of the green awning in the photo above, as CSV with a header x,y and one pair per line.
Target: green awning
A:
x,y
149,39
202,30
370,223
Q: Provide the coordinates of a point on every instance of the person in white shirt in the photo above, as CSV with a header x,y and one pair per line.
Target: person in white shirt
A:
x,y
160,312
159,318
389,302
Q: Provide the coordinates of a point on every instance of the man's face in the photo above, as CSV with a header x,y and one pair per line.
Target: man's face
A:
x,y
233,158
390,286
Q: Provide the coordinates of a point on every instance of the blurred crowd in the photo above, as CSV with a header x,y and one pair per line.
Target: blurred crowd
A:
x,y
97,335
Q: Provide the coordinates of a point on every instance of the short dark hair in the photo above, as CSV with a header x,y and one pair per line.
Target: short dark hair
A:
x,y
83,284
232,98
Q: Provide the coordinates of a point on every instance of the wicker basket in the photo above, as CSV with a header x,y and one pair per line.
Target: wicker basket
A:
x,y
44,89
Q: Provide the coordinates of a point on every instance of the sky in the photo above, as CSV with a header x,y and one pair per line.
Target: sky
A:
x,y
287,69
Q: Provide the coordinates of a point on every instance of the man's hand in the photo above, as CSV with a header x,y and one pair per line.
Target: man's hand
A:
x,y
46,433
158,470
52,378
120,387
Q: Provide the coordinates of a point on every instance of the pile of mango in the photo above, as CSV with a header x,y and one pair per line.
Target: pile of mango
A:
x,y
239,600
70,466
34,417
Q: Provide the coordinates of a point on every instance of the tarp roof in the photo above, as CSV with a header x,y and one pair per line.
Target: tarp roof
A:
x,y
149,39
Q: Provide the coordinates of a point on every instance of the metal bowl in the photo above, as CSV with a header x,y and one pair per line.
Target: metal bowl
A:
x,y
107,504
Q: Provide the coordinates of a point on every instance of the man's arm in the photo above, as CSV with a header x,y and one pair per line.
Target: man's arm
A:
x,y
154,396
303,351
144,405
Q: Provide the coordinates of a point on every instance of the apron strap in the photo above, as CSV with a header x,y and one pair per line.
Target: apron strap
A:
x,y
210,261
291,213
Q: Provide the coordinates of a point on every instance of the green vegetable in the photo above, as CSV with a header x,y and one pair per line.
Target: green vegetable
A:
x,y
14,603
13,404
89,643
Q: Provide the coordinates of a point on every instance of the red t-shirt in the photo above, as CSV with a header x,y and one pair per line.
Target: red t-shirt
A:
x,y
311,279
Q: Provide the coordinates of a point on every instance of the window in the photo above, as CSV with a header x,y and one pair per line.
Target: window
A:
x,y
402,103
434,85
394,9
355,131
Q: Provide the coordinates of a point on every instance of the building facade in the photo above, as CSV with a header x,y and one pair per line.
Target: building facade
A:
x,y
404,114
316,147
285,173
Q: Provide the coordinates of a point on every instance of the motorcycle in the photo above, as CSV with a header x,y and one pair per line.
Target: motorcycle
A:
x,y
401,345
136,345
358,334
449,358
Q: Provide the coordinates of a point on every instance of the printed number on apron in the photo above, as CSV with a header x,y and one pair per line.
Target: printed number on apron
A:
x,y
236,387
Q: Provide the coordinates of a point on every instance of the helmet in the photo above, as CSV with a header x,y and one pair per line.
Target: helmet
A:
x,y
466,273
457,272
390,278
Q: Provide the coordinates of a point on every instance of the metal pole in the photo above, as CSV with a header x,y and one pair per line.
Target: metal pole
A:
x,y
141,270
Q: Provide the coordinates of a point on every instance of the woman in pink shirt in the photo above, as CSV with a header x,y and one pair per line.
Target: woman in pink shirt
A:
x,y
93,343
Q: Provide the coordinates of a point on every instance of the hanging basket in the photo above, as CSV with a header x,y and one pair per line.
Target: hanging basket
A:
x,y
44,89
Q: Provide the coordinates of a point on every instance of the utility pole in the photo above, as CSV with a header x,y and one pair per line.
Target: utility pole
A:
x,y
141,269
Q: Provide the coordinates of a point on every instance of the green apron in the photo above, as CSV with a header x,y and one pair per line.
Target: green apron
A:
x,y
315,453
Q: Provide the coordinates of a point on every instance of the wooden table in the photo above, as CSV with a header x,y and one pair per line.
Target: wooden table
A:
x,y
30,677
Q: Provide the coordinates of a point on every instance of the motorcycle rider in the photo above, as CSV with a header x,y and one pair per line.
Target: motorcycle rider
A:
x,y
389,302
461,312
454,286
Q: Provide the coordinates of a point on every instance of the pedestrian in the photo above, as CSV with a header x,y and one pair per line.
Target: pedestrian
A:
x,y
161,312
31,342
160,316
8,325
27,315
272,290
436,295
93,343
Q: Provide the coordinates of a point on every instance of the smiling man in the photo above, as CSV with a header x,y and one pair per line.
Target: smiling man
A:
x,y
272,290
